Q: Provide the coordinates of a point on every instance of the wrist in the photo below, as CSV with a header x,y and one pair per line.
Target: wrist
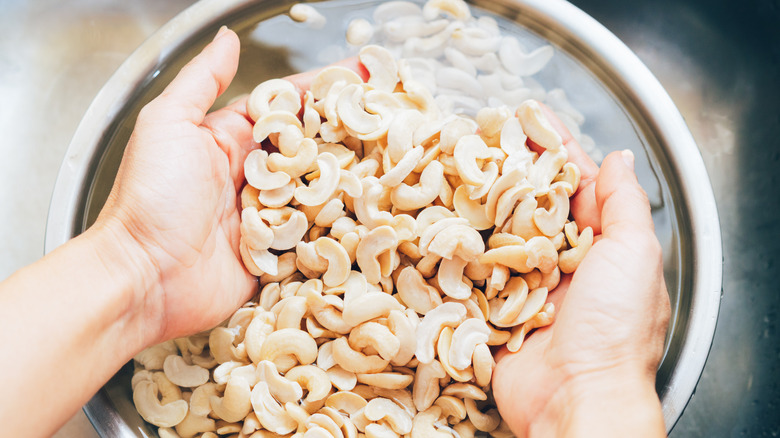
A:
x,y
604,403
129,266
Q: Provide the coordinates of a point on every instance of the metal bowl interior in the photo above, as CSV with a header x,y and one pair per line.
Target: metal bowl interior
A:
x,y
624,107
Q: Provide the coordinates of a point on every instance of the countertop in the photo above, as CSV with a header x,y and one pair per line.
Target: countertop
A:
x,y
719,61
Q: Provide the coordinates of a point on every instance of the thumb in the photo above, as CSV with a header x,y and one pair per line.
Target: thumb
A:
x,y
192,92
625,209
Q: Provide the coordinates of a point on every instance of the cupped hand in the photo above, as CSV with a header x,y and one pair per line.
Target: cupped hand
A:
x,y
608,334
175,197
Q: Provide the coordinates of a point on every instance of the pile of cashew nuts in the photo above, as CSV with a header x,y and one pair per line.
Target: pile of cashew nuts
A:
x,y
395,245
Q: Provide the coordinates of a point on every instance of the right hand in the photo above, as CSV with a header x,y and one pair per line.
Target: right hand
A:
x,y
608,336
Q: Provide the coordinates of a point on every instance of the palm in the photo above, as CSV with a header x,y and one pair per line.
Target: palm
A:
x,y
176,194
613,310
190,217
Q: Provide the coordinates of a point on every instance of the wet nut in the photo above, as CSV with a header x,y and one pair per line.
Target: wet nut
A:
x,y
423,424
303,13
465,339
386,380
355,361
297,164
452,409
443,346
541,319
377,336
381,66
289,341
538,252
282,388
571,258
273,94
235,404
320,190
378,241
314,379
406,197
359,32
269,412
182,374
468,150
154,357
345,401
536,125
550,221
483,364
396,417
258,175
450,278
444,315
485,422
153,410
415,292
342,379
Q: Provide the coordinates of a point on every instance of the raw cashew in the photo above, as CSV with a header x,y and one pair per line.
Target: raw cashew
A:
x,y
314,379
444,315
571,258
468,150
289,341
273,94
377,336
382,69
269,412
356,361
235,404
415,292
465,339
258,175
423,424
536,125
407,197
182,374
383,409
152,410
282,388
320,190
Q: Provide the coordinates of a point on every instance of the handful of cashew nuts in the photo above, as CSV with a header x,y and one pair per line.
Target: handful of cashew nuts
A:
x,y
395,244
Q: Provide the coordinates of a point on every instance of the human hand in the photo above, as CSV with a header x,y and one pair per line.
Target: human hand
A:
x,y
174,202
586,372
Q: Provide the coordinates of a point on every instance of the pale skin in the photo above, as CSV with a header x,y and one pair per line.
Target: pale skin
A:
x,y
162,261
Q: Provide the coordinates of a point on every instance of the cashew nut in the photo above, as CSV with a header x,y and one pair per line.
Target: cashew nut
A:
x,y
444,315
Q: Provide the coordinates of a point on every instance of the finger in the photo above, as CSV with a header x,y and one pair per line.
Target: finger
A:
x,y
232,130
189,96
583,203
625,209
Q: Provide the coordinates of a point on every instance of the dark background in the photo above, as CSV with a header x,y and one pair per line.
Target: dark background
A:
x,y
720,62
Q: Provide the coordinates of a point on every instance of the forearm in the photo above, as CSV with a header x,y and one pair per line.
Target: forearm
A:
x,y
617,404
68,322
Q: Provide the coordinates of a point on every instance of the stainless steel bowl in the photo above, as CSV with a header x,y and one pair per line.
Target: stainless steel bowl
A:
x,y
624,104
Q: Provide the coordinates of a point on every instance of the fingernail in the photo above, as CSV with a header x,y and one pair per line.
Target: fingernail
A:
x,y
222,30
628,158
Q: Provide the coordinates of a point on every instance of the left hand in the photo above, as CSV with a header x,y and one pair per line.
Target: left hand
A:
x,y
175,198
174,202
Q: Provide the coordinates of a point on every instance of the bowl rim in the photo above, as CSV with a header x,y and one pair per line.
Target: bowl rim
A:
x,y
632,76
